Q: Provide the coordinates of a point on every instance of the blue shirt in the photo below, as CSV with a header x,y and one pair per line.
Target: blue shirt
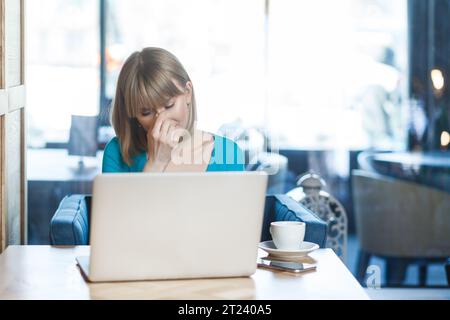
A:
x,y
226,156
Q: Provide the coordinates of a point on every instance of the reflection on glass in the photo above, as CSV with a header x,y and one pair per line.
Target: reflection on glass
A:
x,y
445,139
437,79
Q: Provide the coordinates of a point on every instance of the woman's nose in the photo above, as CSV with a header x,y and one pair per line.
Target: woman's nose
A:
x,y
159,111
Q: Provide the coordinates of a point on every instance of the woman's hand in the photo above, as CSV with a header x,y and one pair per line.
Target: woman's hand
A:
x,y
161,139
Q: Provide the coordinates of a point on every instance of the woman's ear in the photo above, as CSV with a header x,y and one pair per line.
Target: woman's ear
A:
x,y
189,91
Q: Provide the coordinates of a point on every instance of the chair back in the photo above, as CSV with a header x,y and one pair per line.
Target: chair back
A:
x,y
400,218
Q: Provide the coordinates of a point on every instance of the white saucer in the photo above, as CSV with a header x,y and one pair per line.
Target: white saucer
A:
x,y
305,248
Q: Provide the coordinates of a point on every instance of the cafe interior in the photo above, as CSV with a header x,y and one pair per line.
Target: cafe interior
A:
x,y
346,106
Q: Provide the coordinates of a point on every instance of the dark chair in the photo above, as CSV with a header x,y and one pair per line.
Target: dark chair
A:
x,y
403,222
70,223
447,271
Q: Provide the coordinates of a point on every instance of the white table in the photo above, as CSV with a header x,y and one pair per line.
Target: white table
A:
x,y
45,272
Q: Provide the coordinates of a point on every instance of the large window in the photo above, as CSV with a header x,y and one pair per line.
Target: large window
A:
x,y
318,73
337,73
220,43
62,73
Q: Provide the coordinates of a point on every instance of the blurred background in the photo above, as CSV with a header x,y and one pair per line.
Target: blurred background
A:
x,y
355,90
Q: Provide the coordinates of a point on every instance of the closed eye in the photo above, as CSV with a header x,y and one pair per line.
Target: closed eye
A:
x,y
146,113
168,107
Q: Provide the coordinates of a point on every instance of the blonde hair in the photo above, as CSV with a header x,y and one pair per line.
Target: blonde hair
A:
x,y
145,81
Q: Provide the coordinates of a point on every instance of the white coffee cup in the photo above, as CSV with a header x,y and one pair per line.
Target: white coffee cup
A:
x,y
287,235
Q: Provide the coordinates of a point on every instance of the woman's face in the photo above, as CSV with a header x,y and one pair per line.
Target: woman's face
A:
x,y
176,109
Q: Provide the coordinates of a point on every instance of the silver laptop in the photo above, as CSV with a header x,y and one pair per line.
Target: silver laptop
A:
x,y
152,226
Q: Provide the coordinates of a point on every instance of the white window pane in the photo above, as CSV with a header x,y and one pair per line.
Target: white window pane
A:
x,y
219,42
62,75
329,85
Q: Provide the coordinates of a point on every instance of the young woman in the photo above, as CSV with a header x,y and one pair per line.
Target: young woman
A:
x,y
154,116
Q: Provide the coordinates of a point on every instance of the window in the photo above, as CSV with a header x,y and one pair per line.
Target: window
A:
x,y
62,74
337,73
219,42
336,70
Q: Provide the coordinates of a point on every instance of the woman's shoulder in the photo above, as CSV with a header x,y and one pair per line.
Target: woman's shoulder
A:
x,y
112,150
112,145
113,161
112,158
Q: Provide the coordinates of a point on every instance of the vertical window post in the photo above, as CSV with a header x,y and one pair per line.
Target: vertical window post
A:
x,y
103,119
